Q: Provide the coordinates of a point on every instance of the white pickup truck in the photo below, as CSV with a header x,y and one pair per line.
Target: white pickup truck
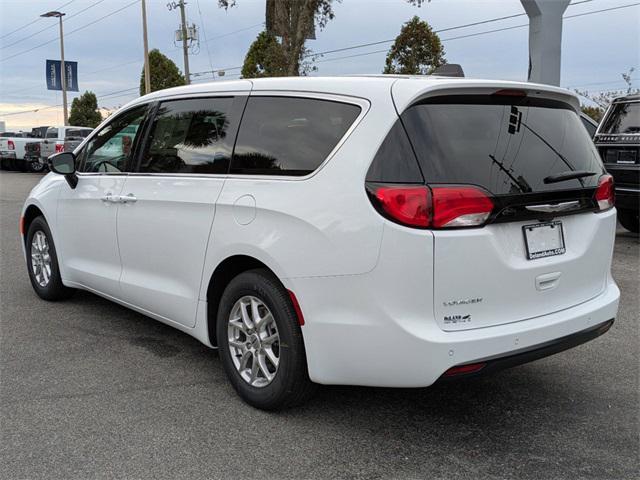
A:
x,y
61,139
13,155
30,152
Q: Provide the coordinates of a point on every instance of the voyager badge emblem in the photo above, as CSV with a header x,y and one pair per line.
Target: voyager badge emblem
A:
x,y
465,301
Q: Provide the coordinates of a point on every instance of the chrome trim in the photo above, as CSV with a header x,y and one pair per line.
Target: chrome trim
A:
x,y
557,207
634,190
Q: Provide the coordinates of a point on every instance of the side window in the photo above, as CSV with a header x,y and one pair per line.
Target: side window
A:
x,y
191,136
289,136
395,161
111,149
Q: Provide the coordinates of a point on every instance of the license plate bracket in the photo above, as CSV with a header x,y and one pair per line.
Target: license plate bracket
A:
x,y
544,239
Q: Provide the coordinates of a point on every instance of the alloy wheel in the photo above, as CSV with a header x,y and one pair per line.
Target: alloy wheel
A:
x,y
254,342
41,258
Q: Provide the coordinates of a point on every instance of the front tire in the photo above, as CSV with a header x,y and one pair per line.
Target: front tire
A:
x,y
629,220
261,343
42,262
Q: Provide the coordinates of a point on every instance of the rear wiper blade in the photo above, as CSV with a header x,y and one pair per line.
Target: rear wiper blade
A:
x,y
570,175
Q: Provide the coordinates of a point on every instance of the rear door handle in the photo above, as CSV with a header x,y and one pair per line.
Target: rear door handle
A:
x,y
129,198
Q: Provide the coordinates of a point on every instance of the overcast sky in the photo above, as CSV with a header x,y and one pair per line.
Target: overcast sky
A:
x,y
596,48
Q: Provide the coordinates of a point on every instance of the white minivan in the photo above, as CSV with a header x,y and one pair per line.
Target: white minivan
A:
x,y
384,231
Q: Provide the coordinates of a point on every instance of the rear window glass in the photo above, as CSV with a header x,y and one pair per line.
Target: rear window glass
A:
x,y
78,132
624,118
52,133
289,136
508,145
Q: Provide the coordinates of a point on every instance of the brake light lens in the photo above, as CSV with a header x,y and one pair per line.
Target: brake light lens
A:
x,y
420,206
405,204
11,145
460,206
59,147
605,193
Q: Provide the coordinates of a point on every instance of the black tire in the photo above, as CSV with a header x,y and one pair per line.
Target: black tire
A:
x,y
54,289
291,385
35,166
630,220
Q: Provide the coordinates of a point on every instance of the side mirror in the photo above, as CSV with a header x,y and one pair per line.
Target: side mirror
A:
x,y
64,163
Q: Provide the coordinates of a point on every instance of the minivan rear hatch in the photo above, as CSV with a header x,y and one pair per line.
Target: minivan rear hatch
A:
x,y
545,246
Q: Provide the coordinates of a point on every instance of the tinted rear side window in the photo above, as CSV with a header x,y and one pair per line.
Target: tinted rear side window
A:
x,y
507,145
289,136
395,161
191,136
623,118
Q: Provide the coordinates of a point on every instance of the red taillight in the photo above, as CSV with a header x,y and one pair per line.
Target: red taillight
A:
x,y
435,207
59,147
462,369
406,204
605,193
460,206
11,145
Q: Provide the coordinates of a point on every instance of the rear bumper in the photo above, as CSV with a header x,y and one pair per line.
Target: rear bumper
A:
x,y
352,337
7,155
520,357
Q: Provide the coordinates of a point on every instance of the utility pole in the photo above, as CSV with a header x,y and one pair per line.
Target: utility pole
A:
x,y
185,42
63,71
147,72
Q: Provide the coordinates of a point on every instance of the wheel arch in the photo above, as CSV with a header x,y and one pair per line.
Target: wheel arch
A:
x,y
227,270
30,214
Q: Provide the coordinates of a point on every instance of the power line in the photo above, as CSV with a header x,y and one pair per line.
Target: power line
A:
x,y
32,22
99,97
237,31
53,25
71,32
204,31
463,36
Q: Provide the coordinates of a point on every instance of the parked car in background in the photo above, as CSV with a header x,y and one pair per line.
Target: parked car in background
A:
x,y
618,140
61,139
589,123
382,231
17,150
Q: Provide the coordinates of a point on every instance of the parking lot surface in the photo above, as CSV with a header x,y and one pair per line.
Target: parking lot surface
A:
x,y
89,389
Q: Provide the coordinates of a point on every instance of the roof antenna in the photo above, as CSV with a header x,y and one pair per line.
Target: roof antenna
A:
x,y
449,70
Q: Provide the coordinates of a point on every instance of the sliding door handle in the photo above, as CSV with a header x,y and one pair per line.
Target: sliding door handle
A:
x,y
109,198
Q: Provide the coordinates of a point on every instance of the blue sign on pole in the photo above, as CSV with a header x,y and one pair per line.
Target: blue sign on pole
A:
x,y
53,75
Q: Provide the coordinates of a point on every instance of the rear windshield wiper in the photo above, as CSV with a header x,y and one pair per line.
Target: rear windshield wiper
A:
x,y
570,175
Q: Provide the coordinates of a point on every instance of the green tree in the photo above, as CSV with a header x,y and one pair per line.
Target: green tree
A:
x,y
294,21
417,50
594,112
84,111
601,100
266,58
164,73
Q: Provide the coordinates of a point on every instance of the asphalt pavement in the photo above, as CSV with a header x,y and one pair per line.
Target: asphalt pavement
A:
x,y
89,389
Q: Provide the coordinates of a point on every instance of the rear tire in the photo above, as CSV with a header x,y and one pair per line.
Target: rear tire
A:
x,y
242,344
35,166
629,219
42,262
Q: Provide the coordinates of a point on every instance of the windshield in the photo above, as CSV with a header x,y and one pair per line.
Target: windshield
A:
x,y
507,145
624,118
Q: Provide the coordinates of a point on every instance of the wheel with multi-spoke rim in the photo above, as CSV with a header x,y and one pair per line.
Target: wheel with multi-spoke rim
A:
x,y
260,342
42,262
